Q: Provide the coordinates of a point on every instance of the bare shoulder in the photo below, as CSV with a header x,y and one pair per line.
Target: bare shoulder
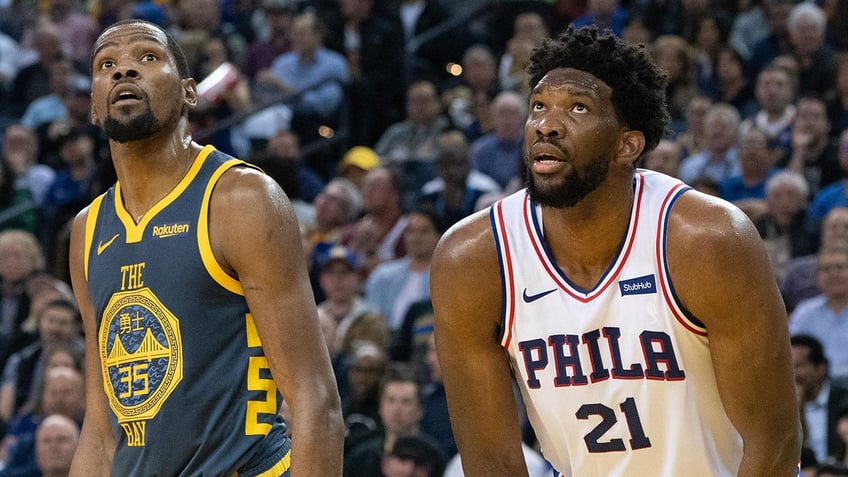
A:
x,y
467,245
249,210
243,186
465,284
701,225
717,259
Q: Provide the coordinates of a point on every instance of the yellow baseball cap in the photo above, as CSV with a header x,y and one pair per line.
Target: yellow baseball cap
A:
x,y
360,156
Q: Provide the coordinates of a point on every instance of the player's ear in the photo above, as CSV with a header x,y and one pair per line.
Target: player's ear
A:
x,y
190,91
630,146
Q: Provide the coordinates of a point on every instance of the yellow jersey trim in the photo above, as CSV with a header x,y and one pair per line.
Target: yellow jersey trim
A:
x,y
279,468
90,222
215,270
135,232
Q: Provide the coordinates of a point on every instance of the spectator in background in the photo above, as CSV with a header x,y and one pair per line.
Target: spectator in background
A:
x,y
457,196
63,392
8,65
747,28
800,281
605,14
776,42
693,139
285,145
636,32
409,146
814,153
373,46
822,399
58,324
708,35
774,91
664,158
400,412
376,236
42,288
837,106
77,30
356,162
427,60
76,184
785,227
21,258
732,86
363,373
435,421
33,81
215,107
17,207
529,31
20,153
806,25
673,56
341,284
56,440
499,154
393,286
311,76
63,81
479,79
196,22
757,166
336,208
835,194
720,158
412,456
277,16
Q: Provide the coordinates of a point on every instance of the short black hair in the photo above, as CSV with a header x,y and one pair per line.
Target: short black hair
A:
x,y
638,86
172,45
62,304
429,212
813,345
421,451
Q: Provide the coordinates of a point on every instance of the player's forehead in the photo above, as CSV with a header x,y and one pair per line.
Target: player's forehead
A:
x,y
128,34
573,81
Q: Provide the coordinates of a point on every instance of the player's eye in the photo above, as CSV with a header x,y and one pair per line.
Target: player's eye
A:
x,y
580,108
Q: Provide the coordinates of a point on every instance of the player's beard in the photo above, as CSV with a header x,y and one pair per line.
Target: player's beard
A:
x,y
137,128
570,189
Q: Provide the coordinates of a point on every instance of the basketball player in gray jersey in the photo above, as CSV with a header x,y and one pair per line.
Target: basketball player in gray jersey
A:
x,y
196,302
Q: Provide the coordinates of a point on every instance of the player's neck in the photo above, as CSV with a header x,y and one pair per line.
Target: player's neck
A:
x,y
148,171
584,239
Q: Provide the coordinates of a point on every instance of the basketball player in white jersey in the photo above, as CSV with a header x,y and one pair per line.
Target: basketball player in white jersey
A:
x,y
638,317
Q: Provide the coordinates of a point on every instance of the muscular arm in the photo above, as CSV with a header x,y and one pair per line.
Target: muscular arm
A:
x,y
254,232
97,444
466,295
722,275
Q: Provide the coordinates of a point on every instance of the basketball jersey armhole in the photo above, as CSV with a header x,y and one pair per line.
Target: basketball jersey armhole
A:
x,y
505,266
681,314
90,223
213,267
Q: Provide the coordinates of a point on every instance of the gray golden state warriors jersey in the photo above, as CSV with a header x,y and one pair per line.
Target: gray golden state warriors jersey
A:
x,y
183,369
617,379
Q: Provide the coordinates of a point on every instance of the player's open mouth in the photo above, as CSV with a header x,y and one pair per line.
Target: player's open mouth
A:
x,y
126,94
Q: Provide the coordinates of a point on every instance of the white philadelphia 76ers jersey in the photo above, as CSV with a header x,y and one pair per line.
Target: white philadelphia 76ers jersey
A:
x,y
618,379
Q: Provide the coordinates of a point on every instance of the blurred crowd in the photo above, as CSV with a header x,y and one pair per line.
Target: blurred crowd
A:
x,y
386,122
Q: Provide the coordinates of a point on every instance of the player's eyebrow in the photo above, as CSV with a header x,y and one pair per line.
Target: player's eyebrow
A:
x,y
138,37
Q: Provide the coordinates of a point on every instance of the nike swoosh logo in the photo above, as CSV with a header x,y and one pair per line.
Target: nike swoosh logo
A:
x,y
103,246
532,298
